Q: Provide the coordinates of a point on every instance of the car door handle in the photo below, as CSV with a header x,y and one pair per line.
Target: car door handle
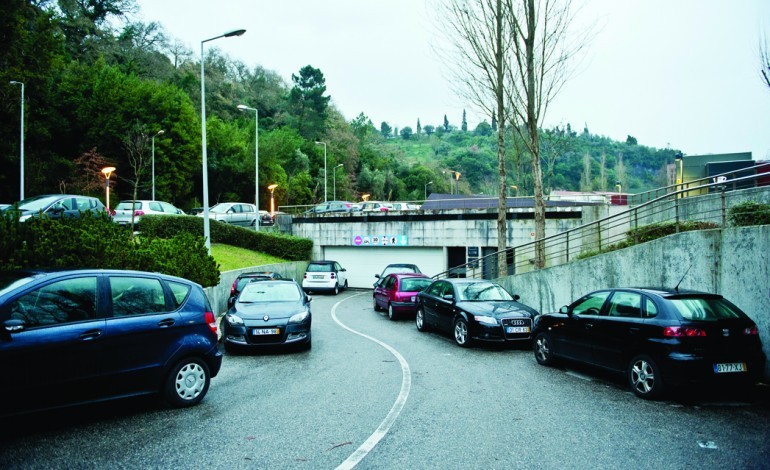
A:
x,y
589,326
633,330
90,335
166,322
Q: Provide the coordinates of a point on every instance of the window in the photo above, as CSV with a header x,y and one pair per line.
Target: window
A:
x,y
66,301
415,284
179,292
319,268
136,296
650,310
482,291
155,206
269,292
705,309
626,304
436,289
83,203
591,304
389,282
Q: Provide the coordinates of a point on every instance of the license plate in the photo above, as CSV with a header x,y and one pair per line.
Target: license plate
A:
x,y
318,277
266,331
729,367
517,329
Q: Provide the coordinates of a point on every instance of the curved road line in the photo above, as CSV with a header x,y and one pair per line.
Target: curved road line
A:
x,y
395,410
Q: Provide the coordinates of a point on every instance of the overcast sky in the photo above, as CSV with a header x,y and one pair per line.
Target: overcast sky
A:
x,y
682,73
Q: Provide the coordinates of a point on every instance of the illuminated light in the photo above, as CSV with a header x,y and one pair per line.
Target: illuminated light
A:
x,y
753,331
681,332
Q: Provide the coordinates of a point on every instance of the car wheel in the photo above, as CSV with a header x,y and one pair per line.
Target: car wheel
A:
x,y
644,377
419,320
391,314
336,289
462,337
543,349
187,383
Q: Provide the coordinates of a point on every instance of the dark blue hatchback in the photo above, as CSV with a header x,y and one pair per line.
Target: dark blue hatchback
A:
x,y
72,337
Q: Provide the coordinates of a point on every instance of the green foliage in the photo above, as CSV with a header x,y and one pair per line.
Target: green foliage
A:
x,y
273,243
749,213
97,242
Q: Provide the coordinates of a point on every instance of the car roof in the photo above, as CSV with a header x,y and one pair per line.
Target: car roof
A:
x,y
257,274
403,275
323,261
63,272
663,291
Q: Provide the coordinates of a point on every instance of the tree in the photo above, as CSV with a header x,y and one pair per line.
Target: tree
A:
x,y
764,57
137,144
419,128
494,122
483,129
385,129
308,103
464,125
88,179
406,133
446,124
541,56
586,181
429,130
631,140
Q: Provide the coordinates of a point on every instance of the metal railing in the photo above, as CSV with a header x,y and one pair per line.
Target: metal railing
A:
x,y
680,207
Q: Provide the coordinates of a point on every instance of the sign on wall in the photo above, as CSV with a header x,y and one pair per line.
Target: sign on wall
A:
x,y
380,240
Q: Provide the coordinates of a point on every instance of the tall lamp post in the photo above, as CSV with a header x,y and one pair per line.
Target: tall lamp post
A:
x,y
243,107
107,170
325,179
204,160
426,189
21,142
160,132
271,188
335,181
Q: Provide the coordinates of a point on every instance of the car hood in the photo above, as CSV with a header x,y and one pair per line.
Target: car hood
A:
x,y
498,309
257,310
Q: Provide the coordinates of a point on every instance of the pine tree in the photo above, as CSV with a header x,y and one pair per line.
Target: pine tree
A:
x,y
464,125
446,124
419,128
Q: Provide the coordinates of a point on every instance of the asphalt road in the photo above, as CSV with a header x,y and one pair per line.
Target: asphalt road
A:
x,y
379,394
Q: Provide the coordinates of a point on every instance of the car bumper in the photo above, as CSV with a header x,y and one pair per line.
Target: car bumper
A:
x,y
245,336
404,307
322,285
687,368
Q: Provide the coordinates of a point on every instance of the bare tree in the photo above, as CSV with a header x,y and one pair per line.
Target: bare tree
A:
x,y
541,56
764,56
480,37
137,144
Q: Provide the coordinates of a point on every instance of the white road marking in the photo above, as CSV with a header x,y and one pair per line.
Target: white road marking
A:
x,y
395,410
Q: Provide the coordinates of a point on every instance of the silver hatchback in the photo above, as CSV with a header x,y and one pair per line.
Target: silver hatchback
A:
x,y
124,210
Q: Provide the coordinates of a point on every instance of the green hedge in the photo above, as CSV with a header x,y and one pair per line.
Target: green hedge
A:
x,y
749,213
265,241
97,242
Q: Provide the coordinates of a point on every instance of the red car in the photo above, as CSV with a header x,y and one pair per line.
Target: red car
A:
x,y
397,293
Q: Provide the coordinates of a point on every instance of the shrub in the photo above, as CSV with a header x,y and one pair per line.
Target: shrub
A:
x,y
283,246
749,213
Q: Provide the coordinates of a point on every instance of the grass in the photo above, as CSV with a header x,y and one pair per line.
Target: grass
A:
x,y
231,257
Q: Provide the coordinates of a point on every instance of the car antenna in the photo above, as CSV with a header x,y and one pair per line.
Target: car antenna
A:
x,y
680,280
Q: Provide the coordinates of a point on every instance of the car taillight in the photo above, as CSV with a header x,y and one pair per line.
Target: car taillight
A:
x,y
332,275
138,213
751,331
211,319
232,288
682,332
304,276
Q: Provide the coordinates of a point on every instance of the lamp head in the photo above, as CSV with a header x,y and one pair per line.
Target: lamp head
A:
x,y
107,170
161,132
237,32
243,107
272,187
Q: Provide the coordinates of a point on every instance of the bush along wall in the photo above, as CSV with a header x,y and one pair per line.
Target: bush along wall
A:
x,y
283,246
96,242
749,213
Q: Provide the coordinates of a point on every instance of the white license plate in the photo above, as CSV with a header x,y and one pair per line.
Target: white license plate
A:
x,y
266,331
729,367
318,277
517,329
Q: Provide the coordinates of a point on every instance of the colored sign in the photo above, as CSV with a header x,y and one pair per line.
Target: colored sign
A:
x,y
380,240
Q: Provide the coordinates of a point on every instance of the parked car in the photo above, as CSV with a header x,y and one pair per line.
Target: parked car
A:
x,y
235,213
79,336
265,219
58,206
474,310
124,210
375,206
397,293
404,206
659,338
330,206
268,314
245,278
396,268
326,276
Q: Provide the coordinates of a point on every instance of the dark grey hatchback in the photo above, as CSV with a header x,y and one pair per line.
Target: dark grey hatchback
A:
x,y
81,336
659,338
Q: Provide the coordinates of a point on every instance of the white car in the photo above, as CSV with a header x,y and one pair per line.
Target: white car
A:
x,y
375,206
236,213
325,276
138,208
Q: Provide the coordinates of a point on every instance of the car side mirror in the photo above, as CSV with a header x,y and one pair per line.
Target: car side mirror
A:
x,y
14,325
516,297
565,310
448,297
308,298
377,276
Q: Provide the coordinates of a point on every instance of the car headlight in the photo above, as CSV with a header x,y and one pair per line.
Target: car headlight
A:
x,y
234,320
299,317
485,319
24,217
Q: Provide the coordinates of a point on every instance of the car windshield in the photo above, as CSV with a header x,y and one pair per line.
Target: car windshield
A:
x,y
482,291
399,269
245,280
319,268
37,203
705,309
269,292
414,284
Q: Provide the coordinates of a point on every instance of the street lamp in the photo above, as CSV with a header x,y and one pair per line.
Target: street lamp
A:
x,y
426,189
204,162
324,144
243,107
107,170
160,132
335,180
456,175
515,188
271,188
21,144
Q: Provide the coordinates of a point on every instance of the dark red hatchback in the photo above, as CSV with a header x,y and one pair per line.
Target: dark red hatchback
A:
x,y
658,338
397,293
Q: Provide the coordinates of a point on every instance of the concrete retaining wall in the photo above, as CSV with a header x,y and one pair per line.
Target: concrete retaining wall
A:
x,y
734,262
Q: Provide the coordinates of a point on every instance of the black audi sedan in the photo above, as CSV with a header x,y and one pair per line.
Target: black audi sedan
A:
x,y
474,310
659,338
268,314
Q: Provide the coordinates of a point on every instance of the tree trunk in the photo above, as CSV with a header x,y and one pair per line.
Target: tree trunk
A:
x,y
502,200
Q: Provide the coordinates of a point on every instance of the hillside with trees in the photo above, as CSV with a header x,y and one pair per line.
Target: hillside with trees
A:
x,y
96,94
